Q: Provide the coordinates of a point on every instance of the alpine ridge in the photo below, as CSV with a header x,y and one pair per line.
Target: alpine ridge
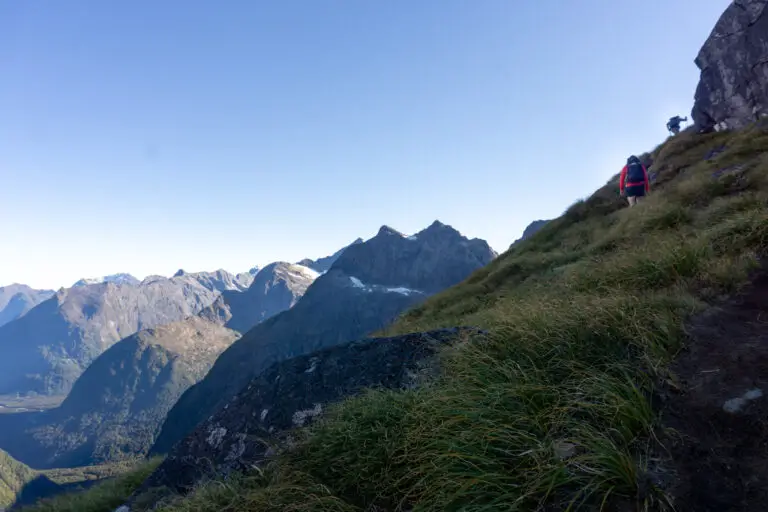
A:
x,y
365,289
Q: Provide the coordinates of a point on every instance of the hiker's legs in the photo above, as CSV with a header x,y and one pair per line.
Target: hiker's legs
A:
x,y
632,200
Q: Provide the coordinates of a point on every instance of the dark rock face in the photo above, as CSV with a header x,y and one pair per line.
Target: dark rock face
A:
x,y
531,230
276,288
116,407
733,89
17,299
290,394
429,261
363,292
48,348
324,264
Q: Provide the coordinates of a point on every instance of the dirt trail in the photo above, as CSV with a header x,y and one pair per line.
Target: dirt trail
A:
x,y
721,456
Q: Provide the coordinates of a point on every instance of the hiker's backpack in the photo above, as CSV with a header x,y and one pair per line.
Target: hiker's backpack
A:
x,y
635,172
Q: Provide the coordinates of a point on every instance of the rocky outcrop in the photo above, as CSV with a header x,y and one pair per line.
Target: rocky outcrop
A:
x,y
48,348
531,230
291,394
17,299
733,89
117,406
324,264
363,292
276,288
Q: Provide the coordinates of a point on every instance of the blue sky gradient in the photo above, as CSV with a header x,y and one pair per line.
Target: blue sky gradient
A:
x,y
146,136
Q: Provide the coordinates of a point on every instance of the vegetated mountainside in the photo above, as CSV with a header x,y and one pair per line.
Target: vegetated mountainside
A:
x,y
573,378
15,477
47,349
274,289
324,264
733,90
116,407
17,299
364,291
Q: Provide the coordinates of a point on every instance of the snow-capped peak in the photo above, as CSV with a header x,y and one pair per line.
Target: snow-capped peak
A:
x,y
121,278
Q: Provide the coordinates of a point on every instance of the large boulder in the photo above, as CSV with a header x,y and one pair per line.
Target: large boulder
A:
x,y
733,89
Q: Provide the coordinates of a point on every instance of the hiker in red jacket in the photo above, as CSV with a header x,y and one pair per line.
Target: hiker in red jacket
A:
x,y
633,182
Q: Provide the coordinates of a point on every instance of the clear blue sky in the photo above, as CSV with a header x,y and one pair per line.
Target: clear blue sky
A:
x,y
146,136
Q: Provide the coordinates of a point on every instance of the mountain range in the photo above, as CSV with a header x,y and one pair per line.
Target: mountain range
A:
x,y
130,353
363,291
17,299
46,349
118,404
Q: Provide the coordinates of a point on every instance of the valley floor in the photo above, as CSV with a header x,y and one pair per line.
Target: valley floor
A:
x,y
10,404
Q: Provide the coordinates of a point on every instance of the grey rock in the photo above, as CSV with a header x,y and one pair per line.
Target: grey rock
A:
x,y
17,299
116,407
46,350
240,435
733,88
363,292
735,405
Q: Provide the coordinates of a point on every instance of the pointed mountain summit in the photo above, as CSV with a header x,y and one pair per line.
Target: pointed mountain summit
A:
x,y
367,287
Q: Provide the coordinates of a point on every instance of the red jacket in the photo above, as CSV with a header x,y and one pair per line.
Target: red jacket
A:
x,y
623,178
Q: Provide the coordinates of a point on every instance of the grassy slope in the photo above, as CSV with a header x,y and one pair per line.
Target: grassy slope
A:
x,y
555,408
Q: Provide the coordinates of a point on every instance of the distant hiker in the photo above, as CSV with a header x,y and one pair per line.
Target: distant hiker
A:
x,y
633,182
673,125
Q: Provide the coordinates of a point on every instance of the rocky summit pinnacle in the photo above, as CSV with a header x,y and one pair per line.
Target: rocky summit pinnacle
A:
x,y
733,88
369,285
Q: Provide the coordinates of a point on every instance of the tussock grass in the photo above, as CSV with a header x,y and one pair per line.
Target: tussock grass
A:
x,y
554,409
